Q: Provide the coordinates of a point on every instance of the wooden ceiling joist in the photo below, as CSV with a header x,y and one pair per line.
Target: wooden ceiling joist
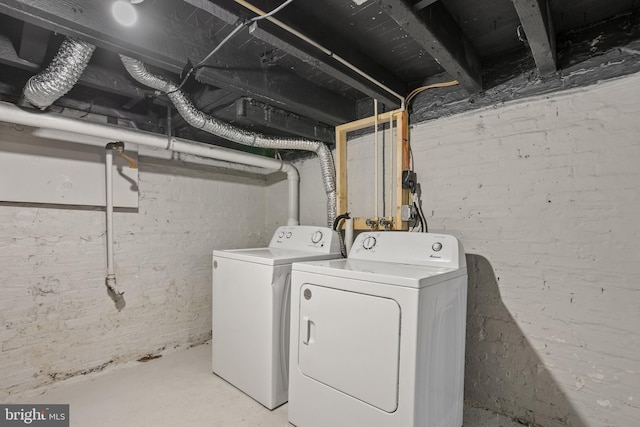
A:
x,y
538,27
442,38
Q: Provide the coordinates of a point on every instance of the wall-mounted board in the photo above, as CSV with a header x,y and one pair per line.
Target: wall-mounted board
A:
x,y
41,170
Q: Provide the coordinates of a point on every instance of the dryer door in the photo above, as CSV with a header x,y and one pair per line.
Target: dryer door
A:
x,y
350,342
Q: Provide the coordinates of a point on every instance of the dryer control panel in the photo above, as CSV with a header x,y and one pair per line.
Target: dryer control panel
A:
x,y
306,238
440,250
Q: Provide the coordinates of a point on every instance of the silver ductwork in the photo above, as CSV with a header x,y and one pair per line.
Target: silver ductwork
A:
x,y
67,66
201,120
61,75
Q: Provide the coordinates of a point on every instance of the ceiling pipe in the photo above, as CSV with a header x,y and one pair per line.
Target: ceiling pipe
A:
x,y
10,113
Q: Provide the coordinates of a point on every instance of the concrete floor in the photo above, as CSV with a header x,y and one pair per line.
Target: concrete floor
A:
x,y
178,390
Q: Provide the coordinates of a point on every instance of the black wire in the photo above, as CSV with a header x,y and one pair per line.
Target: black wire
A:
x,y
417,219
336,222
423,221
246,23
186,77
88,110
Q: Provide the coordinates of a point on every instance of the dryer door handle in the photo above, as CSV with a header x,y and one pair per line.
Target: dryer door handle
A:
x,y
309,331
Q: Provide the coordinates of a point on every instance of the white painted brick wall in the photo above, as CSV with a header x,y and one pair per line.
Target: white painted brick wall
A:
x,y
56,319
545,196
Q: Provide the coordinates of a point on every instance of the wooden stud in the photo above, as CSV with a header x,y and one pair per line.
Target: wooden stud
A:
x,y
341,170
402,195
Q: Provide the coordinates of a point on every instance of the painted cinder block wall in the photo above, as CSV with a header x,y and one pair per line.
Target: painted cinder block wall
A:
x,y
545,196
56,319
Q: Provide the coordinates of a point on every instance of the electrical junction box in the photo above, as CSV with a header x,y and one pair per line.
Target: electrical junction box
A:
x,y
407,212
409,180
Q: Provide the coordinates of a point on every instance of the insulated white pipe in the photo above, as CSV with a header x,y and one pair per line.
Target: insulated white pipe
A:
x,y
294,202
348,234
13,114
111,276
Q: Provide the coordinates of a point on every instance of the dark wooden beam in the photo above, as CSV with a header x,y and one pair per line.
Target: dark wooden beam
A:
x,y
100,78
169,44
278,85
333,68
285,42
538,26
442,38
284,121
9,56
422,4
34,43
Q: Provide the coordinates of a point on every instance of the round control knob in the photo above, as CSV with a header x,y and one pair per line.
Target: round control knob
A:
x,y
369,242
316,237
281,234
289,235
436,246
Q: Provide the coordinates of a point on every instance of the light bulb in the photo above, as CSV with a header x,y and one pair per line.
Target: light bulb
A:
x,y
124,13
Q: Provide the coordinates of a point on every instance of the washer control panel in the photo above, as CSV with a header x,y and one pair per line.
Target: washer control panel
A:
x,y
409,248
316,237
306,238
369,243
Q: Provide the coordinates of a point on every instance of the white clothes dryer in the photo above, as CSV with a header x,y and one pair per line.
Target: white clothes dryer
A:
x,y
250,310
378,339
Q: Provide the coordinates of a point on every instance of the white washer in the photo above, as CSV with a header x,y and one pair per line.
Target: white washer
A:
x,y
377,339
251,309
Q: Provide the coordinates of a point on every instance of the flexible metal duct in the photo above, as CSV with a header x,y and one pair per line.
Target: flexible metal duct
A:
x,y
61,75
201,120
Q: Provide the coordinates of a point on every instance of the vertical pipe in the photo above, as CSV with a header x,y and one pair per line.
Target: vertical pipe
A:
x,y
294,193
109,209
348,234
390,165
110,280
375,138
169,125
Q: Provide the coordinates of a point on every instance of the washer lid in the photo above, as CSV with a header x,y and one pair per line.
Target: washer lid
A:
x,y
272,256
408,275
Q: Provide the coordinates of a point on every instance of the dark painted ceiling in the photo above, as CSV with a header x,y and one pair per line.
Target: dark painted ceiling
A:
x,y
270,79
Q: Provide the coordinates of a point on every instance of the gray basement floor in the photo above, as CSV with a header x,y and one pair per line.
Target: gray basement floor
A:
x,y
178,390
